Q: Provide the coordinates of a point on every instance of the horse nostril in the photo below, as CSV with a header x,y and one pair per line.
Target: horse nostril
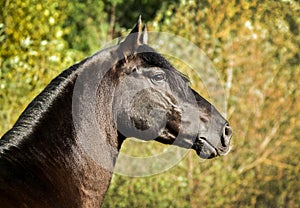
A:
x,y
226,135
227,130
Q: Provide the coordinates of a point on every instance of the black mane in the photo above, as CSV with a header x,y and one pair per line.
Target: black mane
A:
x,y
37,109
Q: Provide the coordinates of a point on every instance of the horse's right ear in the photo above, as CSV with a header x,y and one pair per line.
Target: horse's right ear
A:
x,y
137,36
144,36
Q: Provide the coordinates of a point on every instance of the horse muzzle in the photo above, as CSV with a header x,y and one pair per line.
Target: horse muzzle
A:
x,y
208,148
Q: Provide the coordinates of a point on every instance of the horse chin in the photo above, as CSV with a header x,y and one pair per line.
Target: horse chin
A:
x,y
204,149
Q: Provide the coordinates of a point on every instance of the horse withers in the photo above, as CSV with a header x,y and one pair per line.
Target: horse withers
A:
x,y
44,159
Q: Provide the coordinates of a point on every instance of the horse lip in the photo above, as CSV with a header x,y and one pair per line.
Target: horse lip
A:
x,y
207,142
203,141
227,151
221,151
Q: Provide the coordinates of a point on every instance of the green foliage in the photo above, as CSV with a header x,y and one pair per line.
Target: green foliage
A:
x,y
32,52
131,9
85,25
254,46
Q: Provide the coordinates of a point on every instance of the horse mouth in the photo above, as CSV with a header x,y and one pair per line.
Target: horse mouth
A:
x,y
204,148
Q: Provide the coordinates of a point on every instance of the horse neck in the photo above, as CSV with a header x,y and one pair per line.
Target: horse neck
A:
x,y
57,164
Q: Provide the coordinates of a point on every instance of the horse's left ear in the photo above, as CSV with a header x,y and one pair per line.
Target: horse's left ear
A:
x,y
138,36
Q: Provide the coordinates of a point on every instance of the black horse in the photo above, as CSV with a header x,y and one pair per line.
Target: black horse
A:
x,y
45,159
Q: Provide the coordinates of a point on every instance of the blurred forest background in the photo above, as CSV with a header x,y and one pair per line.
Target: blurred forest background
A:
x,y
255,47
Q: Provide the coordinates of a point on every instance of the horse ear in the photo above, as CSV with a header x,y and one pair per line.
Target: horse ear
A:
x,y
136,37
144,36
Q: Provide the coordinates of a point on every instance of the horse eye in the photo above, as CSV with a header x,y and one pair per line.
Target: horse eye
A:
x,y
158,77
134,69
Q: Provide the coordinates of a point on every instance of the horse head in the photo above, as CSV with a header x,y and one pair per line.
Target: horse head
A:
x,y
153,101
